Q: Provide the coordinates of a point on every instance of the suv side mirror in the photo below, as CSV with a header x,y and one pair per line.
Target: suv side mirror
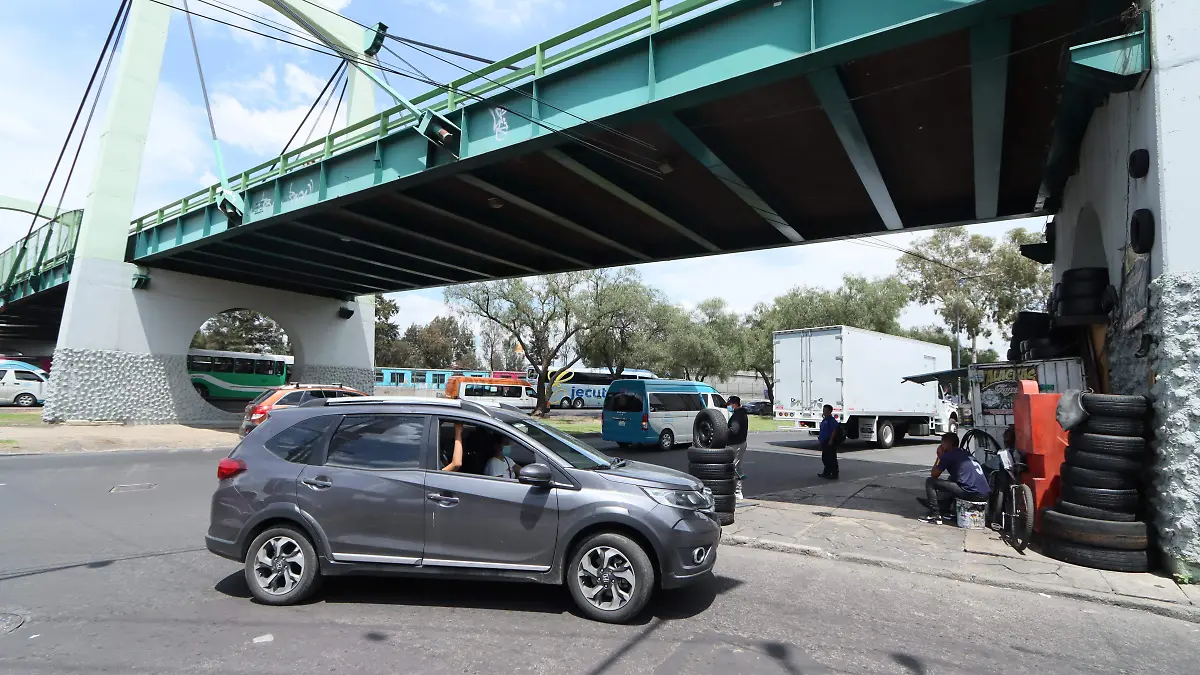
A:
x,y
535,474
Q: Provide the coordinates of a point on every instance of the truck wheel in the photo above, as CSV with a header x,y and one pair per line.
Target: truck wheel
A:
x,y
578,403
565,403
885,435
952,427
25,400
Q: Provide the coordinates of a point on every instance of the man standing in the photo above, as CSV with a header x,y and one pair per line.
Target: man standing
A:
x,y
966,479
827,437
738,426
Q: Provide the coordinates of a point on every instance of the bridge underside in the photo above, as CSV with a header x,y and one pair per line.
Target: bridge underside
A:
x,y
950,124
33,319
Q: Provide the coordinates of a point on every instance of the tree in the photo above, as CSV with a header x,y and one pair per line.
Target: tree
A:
x,y
696,345
870,304
499,349
545,314
627,340
242,330
443,342
390,350
940,336
1019,284
947,271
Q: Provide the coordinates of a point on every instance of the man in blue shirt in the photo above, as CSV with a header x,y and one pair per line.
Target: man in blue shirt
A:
x,y
827,436
966,479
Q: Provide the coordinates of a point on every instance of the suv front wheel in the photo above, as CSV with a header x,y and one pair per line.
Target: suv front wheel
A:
x,y
610,578
281,567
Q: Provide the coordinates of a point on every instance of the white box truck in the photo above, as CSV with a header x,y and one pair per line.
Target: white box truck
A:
x,y
861,374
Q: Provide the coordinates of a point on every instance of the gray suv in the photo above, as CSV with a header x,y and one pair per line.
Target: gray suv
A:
x,y
353,486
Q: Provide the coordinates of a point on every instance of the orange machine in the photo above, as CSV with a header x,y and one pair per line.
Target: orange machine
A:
x,y
1043,442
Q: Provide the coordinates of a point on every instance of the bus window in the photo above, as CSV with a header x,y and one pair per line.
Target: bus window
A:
x,y
243,366
200,364
512,392
438,378
397,378
379,376
418,377
222,364
264,367
280,368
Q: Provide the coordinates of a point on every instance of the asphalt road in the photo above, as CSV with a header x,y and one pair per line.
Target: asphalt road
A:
x,y
778,461
103,581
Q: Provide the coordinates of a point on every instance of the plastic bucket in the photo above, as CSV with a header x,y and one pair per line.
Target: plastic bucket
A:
x,y
971,515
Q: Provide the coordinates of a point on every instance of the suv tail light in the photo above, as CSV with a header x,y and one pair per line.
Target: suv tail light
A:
x,y
229,467
645,421
258,412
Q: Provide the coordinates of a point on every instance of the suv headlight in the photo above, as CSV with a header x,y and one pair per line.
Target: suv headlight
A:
x,y
682,499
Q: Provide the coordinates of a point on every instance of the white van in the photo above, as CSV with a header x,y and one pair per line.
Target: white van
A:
x,y
655,412
22,384
492,391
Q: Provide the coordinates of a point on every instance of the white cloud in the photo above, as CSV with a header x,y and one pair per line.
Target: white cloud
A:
x,y
301,83
419,307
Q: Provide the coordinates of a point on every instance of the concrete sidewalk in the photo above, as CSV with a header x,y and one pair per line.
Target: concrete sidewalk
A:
x,y
875,521
49,438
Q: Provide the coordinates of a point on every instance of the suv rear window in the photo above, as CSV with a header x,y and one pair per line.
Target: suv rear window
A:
x,y
293,398
298,442
262,397
623,401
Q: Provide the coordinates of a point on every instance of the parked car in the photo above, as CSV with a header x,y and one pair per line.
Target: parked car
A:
x,y
655,412
287,396
758,408
355,485
21,384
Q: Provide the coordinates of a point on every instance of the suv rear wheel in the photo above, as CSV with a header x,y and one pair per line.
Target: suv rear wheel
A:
x,y
610,578
281,566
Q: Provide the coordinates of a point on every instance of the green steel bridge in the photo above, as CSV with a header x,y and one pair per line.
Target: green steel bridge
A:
x,y
655,133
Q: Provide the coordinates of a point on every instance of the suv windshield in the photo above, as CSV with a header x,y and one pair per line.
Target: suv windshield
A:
x,y
570,449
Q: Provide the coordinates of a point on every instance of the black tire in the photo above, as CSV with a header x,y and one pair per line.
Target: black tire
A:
x,y
1074,509
711,471
1085,289
1133,536
710,455
1113,426
1040,343
284,539
1044,353
724,518
578,403
638,563
1085,274
885,435
1124,501
1133,407
1141,231
666,440
724,503
721,486
710,429
1081,307
1122,446
1030,325
624,444
25,400
201,390
1014,355
1101,462
565,403
952,427
1112,480
1022,532
1098,558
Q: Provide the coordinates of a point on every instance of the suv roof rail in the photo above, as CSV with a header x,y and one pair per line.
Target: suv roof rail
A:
x,y
409,400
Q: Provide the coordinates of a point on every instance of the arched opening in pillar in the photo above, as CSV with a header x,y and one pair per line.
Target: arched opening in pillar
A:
x,y
1087,249
238,354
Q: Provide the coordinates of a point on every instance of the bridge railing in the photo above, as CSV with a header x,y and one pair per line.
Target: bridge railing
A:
x,y
626,23
47,247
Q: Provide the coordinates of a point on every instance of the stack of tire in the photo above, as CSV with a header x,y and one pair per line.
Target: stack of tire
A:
x,y
1099,521
712,462
1028,326
1083,297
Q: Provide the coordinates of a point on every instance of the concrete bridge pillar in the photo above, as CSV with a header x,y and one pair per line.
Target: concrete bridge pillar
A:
x,y
1093,229
121,352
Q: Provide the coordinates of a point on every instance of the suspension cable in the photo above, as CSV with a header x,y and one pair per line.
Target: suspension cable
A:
x,y
109,42
203,88
336,74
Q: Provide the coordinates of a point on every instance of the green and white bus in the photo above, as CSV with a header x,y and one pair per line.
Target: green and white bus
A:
x,y
236,376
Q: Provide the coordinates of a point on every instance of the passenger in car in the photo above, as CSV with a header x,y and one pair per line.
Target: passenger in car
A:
x,y
456,460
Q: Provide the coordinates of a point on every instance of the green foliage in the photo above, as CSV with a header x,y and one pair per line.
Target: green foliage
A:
x,y
546,315
500,349
443,342
630,337
242,330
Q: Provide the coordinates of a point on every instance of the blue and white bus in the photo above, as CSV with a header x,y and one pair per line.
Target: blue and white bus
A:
x,y
584,387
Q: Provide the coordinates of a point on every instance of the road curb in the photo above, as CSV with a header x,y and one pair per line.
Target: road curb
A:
x,y
83,451
1167,609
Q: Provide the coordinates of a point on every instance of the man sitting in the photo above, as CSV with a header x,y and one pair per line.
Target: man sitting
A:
x,y
966,479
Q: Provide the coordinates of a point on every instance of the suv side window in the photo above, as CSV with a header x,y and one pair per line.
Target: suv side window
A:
x,y
299,442
3,374
293,398
310,394
378,442
718,401
27,375
691,402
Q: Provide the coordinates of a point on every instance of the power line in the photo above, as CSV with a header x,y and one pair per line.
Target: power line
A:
x,y
389,68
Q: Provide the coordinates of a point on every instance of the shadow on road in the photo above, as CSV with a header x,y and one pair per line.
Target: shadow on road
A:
x,y
517,597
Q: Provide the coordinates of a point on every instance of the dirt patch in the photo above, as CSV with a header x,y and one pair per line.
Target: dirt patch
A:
x,y
70,438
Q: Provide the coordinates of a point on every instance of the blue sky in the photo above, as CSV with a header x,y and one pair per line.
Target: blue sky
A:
x,y
261,89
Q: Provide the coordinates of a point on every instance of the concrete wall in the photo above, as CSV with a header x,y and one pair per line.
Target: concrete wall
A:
x,y
748,385
122,353
1163,116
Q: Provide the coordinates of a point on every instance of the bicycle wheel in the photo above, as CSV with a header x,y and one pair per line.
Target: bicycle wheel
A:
x,y
1022,516
998,482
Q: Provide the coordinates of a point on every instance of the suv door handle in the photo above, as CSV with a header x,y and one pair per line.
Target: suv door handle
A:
x,y
319,483
442,500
